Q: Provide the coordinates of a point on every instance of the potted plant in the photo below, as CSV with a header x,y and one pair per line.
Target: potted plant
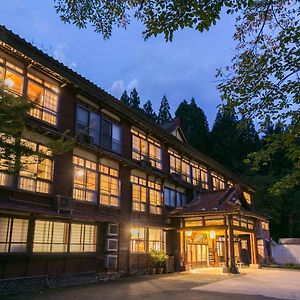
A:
x,y
158,261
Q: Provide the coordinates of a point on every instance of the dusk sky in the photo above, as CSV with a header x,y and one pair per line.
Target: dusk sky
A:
x,y
182,69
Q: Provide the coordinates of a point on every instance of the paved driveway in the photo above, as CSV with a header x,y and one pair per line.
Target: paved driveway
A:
x,y
178,286
281,284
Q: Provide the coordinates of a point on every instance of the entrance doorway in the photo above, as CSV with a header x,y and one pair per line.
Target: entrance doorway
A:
x,y
197,255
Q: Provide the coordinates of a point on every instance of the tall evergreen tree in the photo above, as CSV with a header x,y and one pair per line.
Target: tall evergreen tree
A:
x,y
134,101
194,125
125,98
149,112
232,141
164,114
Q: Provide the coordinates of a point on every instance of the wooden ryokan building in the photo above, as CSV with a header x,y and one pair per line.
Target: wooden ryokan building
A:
x,y
127,187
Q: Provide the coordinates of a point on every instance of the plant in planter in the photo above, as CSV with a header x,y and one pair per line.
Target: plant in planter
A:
x,y
157,260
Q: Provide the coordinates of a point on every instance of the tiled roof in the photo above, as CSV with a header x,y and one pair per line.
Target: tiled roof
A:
x,y
212,202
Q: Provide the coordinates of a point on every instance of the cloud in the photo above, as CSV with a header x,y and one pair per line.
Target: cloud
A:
x,y
118,86
132,84
59,53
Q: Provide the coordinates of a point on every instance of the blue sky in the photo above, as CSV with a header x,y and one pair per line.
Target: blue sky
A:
x,y
182,69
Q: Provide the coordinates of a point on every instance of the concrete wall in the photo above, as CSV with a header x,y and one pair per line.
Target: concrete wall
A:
x,y
286,254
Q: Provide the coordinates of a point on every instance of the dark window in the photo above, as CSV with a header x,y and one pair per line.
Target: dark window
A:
x,y
106,134
174,198
88,126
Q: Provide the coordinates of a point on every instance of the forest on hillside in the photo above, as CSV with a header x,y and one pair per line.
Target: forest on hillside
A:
x,y
234,142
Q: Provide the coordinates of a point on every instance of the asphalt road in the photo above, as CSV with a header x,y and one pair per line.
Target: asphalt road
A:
x,y
255,284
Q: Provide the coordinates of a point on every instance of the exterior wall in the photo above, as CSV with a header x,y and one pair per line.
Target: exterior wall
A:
x,y
286,254
34,205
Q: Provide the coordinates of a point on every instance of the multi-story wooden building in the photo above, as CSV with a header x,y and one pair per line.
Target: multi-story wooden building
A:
x,y
127,187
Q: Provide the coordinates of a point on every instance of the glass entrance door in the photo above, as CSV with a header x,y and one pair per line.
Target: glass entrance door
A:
x,y
197,255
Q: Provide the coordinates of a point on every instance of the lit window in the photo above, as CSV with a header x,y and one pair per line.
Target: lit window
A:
x,y
46,97
247,197
175,163
13,77
109,186
83,238
214,222
50,236
138,239
155,196
7,161
199,174
218,181
37,172
13,235
139,193
156,239
85,185
144,148
265,225
186,170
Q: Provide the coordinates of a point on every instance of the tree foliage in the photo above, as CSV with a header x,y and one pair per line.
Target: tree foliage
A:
x,y
148,111
158,17
232,139
164,115
263,78
125,98
194,125
134,100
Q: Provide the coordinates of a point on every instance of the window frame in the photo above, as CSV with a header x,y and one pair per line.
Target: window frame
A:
x,y
140,140
9,239
35,178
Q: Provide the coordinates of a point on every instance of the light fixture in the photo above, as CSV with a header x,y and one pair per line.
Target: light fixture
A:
x,y
9,82
188,233
212,234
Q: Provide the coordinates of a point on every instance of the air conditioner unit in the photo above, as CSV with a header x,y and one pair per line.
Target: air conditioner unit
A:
x,y
63,203
111,261
111,244
112,229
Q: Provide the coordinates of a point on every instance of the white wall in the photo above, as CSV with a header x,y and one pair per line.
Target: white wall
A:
x,y
286,254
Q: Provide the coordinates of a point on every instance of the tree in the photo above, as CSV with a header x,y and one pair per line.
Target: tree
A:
x,y
158,17
263,79
134,101
149,112
125,98
232,140
194,125
164,115
13,111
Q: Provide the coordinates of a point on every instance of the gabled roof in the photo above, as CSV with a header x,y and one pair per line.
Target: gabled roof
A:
x,y
220,201
174,127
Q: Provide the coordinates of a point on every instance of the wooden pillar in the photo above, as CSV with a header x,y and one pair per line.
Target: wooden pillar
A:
x,y
226,248
233,268
255,250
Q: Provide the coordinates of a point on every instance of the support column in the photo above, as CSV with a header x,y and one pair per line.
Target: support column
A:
x,y
254,251
233,268
226,248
